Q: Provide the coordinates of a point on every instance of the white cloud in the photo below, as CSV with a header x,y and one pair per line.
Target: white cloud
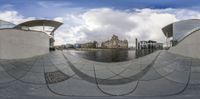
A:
x,y
59,19
52,4
101,23
13,17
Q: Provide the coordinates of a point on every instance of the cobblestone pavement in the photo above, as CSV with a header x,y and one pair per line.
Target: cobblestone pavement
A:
x,y
63,75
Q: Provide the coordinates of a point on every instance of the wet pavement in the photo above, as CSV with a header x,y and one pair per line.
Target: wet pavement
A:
x,y
63,75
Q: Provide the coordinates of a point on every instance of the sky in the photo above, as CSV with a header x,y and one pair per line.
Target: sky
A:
x,y
89,20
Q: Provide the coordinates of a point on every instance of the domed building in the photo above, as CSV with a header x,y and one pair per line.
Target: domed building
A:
x,y
115,43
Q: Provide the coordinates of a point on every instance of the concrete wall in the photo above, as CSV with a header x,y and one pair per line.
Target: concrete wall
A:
x,y
16,44
189,46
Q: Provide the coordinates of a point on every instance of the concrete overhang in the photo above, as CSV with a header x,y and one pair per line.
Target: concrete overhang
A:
x,y
168,30
33,23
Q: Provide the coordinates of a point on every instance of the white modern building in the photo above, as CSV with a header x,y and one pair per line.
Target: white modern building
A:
x,y
185,37
150,45
27,39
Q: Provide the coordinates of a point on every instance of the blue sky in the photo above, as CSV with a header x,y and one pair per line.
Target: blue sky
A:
x,y
52,8
88,20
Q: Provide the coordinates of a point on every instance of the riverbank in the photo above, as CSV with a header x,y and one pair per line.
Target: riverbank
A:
x,y
96,49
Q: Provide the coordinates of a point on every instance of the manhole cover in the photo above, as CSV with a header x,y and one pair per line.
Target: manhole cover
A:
x,y
55,77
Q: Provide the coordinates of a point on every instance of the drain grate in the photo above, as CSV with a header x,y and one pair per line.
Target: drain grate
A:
x,y
55,77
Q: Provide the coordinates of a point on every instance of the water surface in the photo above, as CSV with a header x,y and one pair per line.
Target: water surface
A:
x,y
107,55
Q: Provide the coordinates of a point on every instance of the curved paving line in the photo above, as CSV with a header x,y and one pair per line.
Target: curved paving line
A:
x,y
174,94
56,93
71,76
119,74
58,71
150,65
112,71
19,78
48,87
33,83
11,81
125,96
172,81
107,93
177,93
164,76
110,82
155,69
116,74
161,76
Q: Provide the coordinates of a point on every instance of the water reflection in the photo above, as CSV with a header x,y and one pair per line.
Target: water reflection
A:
x,y
107,55
110,55
143,52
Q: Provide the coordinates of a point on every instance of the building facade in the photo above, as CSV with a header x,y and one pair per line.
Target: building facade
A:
x,y
69,46
184,36
115,43
178,31
89,45
77,45
18,43
150,45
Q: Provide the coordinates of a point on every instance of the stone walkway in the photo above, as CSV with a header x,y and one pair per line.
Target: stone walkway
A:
x,y
62,74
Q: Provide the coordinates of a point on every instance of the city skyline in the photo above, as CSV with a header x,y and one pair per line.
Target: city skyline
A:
x,y
99,20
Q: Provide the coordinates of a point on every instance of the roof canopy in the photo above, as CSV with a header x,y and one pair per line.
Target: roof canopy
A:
x,y
33,23
5,24
168,30
181,29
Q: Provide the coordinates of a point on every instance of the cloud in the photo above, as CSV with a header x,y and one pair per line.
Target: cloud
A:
x,y
52,4
13,17
59,19
100,24
6,6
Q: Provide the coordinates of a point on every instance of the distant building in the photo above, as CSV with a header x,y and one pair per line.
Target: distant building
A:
x,y
159,45
69,46
150,45
59,47
115,43
89,45
77,45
